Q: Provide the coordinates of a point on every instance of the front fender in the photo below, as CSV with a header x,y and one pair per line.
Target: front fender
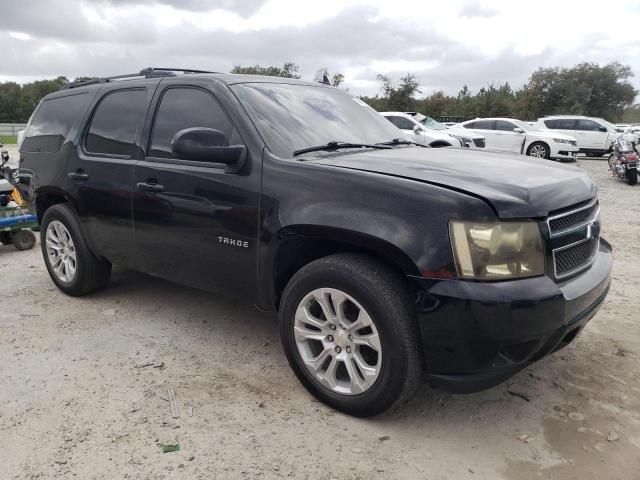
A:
x,y
404,218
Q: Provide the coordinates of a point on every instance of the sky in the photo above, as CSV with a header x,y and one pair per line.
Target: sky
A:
x,y
445,44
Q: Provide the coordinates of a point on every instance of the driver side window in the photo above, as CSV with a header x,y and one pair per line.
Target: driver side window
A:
x,y
181,108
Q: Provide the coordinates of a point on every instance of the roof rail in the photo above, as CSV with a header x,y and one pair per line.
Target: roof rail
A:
x,y
149,72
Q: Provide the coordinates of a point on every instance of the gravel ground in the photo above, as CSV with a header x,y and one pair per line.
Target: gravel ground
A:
x,y
76,400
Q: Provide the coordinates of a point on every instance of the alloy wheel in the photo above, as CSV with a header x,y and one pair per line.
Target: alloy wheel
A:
x,y
61,251
538,151
337,341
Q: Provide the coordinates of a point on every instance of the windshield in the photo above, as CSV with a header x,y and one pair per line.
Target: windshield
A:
x,y
293,117
433,124
610,126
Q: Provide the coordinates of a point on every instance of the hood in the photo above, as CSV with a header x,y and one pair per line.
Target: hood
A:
x,y
515,186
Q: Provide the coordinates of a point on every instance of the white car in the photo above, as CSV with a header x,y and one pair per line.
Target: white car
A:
x,y
595,136
419,133
476,140
516,136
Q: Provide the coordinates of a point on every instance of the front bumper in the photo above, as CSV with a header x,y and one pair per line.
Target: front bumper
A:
x,y
566,152
477,334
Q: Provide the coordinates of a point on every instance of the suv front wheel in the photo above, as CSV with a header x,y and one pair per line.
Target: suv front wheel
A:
x,y
349,331
71,264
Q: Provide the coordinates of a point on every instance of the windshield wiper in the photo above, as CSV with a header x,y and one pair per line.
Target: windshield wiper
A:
x,y
400,141
335,145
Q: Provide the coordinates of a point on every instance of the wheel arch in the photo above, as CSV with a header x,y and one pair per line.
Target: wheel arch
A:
x,y
302,244
541,142
48,197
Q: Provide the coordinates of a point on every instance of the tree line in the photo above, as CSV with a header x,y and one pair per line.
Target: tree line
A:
x,y
603,91
586,89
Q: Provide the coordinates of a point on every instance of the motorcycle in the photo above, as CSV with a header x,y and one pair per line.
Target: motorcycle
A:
x,y
623,161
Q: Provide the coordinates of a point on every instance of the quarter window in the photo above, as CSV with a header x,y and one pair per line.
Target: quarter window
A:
x,y
115,123
182,108
53,121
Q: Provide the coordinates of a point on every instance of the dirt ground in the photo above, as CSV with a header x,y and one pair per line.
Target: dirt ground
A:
x,y
77,402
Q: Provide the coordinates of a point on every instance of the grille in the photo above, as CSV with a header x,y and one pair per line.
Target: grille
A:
x,y
573,218
479,142
575,257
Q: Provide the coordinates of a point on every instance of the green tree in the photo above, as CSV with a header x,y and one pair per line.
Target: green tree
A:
x,y
399,97
288,70
586,89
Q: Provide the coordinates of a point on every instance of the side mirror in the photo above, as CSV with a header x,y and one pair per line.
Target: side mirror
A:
x,y
518,130
201,144
602,129
417,129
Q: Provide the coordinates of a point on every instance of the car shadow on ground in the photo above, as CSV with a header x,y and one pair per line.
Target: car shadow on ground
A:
x,y
197,314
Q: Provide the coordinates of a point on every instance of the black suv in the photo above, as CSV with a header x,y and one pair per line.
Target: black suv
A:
x,y
387,261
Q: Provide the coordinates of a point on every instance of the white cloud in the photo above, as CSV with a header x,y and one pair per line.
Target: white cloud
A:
x,y
445,44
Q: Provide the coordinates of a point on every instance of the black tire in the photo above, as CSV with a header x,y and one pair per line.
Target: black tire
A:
x,y
91,273
24,240
383,293
632,177
547,150
6,238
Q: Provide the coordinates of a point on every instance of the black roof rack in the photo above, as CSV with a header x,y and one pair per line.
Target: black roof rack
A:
x,y
150,72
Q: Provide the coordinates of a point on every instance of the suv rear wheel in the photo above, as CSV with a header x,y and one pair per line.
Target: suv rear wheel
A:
x,y
349,331
71,264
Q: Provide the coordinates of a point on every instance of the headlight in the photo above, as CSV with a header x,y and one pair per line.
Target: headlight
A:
x,y
561,140
497,250
462,140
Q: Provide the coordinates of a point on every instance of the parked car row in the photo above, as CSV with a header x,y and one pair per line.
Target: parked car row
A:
x,y
427,131
558,137
515,136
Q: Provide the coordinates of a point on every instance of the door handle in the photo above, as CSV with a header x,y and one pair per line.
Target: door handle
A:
x,y
150,187
78,175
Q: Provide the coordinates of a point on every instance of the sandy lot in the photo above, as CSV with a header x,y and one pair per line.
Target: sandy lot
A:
x,y
77,402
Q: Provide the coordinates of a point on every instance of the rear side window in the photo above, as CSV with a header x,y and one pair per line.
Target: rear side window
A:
x,y
53,121
480,125
402,123
182,108
115,123
561,124
504,126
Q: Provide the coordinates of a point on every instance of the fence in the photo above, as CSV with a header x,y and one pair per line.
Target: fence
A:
x,y
11,129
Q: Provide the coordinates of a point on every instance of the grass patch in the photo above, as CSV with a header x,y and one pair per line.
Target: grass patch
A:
x,y
8,139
